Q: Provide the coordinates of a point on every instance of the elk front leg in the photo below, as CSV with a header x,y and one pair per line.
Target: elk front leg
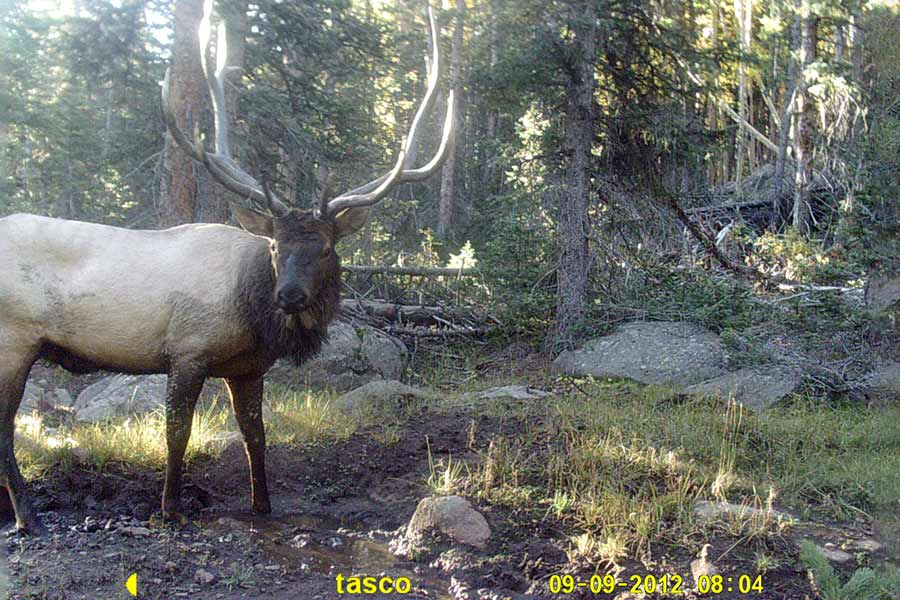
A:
x,y
12,385
246,399
182,390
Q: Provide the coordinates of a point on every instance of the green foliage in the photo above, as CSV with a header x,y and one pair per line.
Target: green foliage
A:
x,y
862,585
518,264
718,302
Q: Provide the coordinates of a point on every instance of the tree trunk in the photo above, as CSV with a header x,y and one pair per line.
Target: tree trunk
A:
x,y
784,136
180,203
743,16
448,173
856,47
572,227
806,119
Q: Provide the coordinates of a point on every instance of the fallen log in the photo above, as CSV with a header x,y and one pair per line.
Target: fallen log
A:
x,y
417,314
418,271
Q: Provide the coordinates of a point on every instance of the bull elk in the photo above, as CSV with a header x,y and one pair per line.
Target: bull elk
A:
x,y
195,301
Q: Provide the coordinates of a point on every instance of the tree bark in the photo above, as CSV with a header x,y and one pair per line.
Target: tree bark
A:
x,y
447,203
784,136
856,47
179,205
572,226
806,118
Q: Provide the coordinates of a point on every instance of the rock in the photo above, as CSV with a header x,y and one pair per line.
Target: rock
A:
x,y
120,395
204,577
833,554
883,291
752,387
38,398
31,399
866,545
663,353
881,386
702,566
454,517
379,394
135,531
350,358
707,511
512,392
61,398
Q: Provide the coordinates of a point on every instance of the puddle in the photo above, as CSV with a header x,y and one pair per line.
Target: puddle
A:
x,y
327,547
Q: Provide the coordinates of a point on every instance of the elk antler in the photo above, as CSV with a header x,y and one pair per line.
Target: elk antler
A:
x,y
370,193
220,163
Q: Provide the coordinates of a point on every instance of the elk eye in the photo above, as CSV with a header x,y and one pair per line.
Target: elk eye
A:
x,y
326,252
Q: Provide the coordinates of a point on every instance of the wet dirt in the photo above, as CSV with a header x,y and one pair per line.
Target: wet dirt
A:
x,y
337,508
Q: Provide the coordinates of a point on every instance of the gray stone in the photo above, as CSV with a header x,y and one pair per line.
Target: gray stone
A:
x,y
883,292
120,395
881,386
351,357
31,399
866,545
512,392
204,577
705,511
833,554
753,387
61,398
663,353
454,517
379,394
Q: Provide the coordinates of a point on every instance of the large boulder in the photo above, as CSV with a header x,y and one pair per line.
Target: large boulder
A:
x,y
883,291
32,399
38,398
120,395
351,357
881,386
379,394
451,515
753,387
658,352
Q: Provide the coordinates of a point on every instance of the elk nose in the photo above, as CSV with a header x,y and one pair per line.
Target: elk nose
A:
x,y
290,299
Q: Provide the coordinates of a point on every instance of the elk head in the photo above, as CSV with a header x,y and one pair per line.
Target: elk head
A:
x,y
302,241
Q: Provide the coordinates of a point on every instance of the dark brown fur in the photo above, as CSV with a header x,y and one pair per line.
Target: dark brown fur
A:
x,y
278,334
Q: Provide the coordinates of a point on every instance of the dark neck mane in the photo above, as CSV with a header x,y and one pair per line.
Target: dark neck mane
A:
x,y
279,335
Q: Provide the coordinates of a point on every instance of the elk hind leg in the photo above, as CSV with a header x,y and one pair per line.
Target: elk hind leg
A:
x,y
12,385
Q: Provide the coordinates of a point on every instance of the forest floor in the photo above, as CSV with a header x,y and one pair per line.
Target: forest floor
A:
x,y
599,478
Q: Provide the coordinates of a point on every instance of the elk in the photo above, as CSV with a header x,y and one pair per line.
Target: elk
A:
x,y
195,301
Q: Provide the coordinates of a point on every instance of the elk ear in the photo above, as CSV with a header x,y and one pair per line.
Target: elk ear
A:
x,y
253,221
350,220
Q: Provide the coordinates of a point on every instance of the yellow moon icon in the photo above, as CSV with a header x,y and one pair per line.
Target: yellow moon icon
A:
x,y
131,584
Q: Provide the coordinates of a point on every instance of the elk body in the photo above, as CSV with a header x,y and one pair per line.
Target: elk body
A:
x,y
193,302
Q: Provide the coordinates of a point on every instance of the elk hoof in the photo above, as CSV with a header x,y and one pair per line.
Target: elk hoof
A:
x,y
32,527
173,516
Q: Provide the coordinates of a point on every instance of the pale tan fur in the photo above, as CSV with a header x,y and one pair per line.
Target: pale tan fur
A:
x,y
123,299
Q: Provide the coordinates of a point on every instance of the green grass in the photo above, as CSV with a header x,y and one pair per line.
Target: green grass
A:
x,y
623,464
139,441
617,466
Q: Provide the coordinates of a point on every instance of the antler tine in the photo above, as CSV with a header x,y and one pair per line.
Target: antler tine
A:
x,y
375,190
220,164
